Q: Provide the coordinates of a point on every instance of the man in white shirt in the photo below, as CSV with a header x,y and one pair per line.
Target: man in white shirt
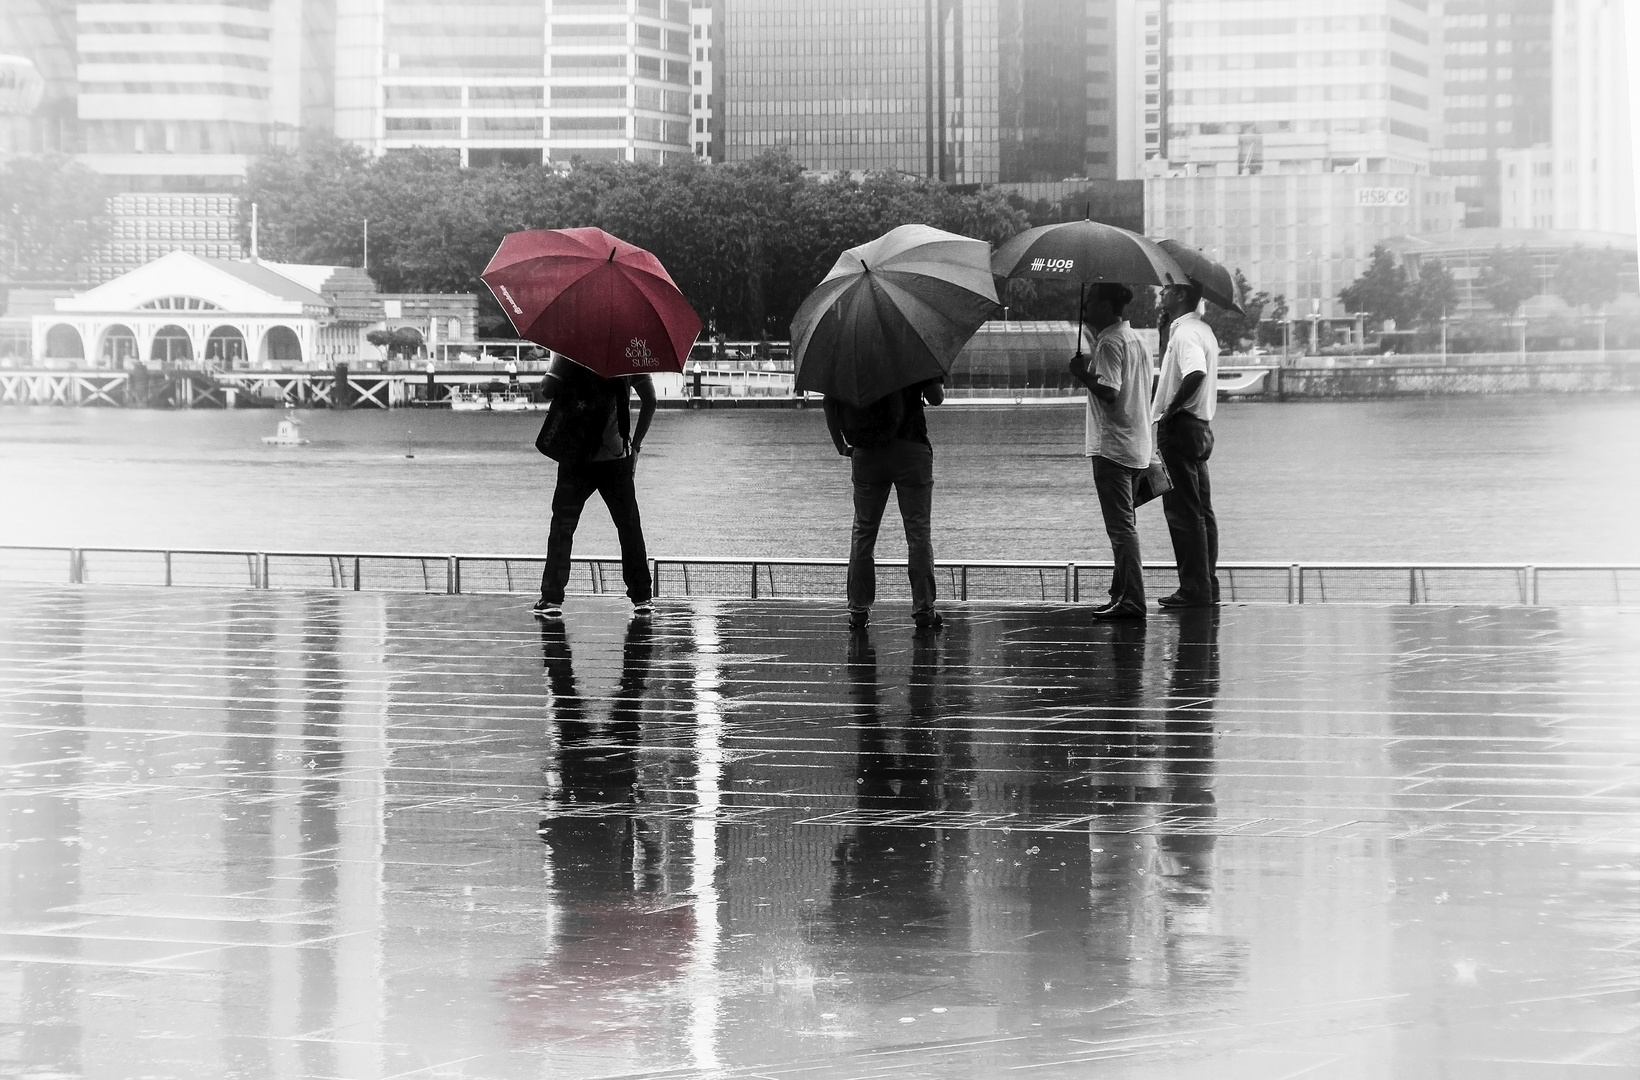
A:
x,y
1183,408
1118,438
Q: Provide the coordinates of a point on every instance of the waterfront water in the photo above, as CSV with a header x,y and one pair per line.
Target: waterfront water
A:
x,y
1456,479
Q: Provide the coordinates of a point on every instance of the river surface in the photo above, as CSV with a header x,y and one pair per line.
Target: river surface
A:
x,y
1516,479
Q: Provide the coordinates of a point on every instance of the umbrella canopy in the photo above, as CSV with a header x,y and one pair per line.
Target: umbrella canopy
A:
x,y
892,313
607,305
1088,252
1211,277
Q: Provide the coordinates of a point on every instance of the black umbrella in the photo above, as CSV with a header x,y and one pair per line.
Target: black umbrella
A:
x,y
1087,252
1211,277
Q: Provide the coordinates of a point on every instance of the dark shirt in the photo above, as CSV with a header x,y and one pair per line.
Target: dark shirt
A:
x,y
915,425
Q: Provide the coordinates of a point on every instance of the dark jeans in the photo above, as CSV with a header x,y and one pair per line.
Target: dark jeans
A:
x,y
1115,483
908,468
1186,443
576,483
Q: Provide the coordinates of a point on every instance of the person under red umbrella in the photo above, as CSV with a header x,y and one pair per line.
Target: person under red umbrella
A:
x,y
614,316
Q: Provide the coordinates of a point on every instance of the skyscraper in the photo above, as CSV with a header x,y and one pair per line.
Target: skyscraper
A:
x,y
181,96
530,80
1292,85
1592,147
1492,91
968,91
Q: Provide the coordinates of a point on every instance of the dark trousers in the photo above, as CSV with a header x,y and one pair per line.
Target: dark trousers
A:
x,y
907,468
613,481
1186,443
1115,483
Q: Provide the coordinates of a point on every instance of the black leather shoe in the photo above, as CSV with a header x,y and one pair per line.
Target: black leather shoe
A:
x,y
1107,606
1115,612
1180,600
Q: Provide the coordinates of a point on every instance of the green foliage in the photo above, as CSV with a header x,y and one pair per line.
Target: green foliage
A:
x,y
53,214
1232,329
402,341
1433,295
744,242
1382,291
1588,278
1508,279
1385,290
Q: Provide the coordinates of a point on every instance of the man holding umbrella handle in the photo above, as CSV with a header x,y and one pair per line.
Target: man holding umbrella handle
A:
x,y
1119,441
1186,396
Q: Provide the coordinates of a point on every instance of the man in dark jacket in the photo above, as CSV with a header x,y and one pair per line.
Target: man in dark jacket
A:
x,y
610,473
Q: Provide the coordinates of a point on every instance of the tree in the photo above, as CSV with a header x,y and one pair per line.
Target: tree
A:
x,y
53,215
403,341
1434,294
1382,290
1508,279
1588,278
1232,328
745,242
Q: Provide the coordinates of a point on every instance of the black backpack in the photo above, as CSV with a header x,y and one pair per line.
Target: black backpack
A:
x,y
876,424
573,431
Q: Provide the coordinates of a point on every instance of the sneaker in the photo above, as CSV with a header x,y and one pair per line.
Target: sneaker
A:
x,y
928,620
643,609
546,609
859,618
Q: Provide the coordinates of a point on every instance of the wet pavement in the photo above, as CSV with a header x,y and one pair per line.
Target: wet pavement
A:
x,y
255,834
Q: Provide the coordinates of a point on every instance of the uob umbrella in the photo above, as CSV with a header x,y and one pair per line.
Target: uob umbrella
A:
x,y
1211,277
600,301
892,313
1087,252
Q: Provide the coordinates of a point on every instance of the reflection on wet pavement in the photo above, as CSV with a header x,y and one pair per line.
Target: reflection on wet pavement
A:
x,y
354,835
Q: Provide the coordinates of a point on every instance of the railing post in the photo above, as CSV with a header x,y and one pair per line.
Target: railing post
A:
x,y
167,568
76,566
654,577
1295,584
356,562
452,575
1531,584
1412,585
262,571
1070,572
754,580
962,590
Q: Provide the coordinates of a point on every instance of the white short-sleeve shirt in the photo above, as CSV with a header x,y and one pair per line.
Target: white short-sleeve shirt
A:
x,y
1120,430
1191,346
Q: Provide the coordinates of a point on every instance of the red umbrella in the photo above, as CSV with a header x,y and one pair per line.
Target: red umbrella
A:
x,y
603,303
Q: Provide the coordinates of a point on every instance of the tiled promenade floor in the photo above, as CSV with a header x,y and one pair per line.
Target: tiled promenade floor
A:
x,y
351,835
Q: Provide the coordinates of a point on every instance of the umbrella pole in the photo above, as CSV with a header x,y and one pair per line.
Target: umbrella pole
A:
x,y
1081,289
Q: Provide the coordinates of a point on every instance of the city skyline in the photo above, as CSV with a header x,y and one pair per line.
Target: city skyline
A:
x,y
1467,113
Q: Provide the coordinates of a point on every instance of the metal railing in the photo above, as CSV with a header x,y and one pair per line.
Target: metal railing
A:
x,y
1558,584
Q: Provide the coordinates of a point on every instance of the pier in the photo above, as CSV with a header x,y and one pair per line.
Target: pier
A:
x,y
292,832
714,384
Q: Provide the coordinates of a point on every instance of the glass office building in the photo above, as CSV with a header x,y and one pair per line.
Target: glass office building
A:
x,y
967,91
1292,85
1493,93
516,81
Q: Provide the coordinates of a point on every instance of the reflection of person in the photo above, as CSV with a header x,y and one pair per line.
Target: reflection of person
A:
x,y
1186,396
1187,756
884,875
591,830
888,449
1118,437
611,474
